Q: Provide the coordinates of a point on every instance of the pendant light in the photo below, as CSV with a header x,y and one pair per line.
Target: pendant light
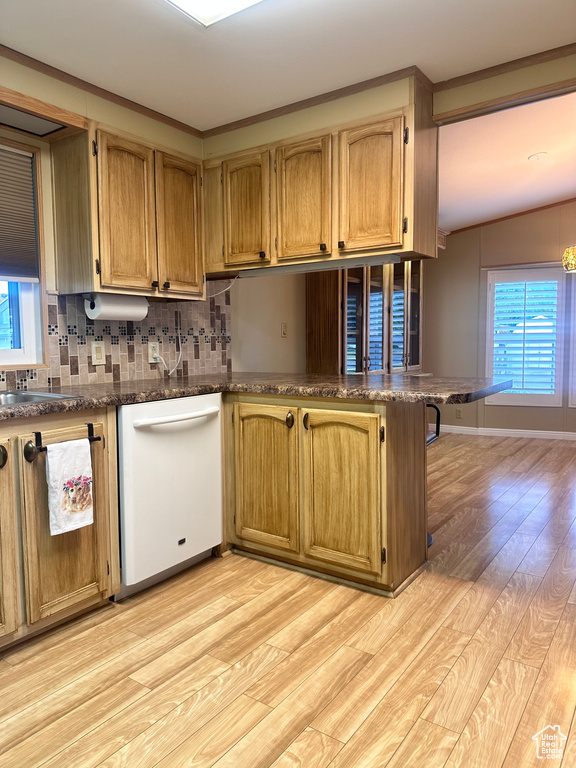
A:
x,y
569,259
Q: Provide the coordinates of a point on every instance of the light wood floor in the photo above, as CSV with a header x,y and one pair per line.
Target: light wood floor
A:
x,y
246,665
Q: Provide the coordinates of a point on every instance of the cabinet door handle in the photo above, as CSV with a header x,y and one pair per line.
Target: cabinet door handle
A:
x,y
262,254
166,284
289,419
340,243
30,451
3,456
155,283
322,246
306,420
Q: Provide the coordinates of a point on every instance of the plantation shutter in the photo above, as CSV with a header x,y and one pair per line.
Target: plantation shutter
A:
x,y
375,331
398,325
524,341
18,236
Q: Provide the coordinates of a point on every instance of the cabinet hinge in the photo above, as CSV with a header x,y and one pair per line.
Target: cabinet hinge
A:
x,y
232,417
222,250
94,147
97,266
276,243
382,434
107,567
383,554
406,135
274,166
103,443
201,181
221,179
234,519
405,226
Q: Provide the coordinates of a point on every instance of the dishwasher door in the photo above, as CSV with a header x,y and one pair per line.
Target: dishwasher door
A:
x,y
170,483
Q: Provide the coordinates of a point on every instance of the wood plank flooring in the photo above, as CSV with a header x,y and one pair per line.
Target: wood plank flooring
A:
x,y
240,664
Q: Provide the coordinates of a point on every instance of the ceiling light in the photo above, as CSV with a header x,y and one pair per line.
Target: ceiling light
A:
x,y
538,156
569,259
208,12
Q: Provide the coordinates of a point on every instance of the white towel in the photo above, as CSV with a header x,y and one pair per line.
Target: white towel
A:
x,y
69,478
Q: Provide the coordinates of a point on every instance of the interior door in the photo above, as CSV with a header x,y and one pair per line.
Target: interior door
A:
x,y
304,178
266,466
178,225
8,543
246,181
126,212
70,568
341,488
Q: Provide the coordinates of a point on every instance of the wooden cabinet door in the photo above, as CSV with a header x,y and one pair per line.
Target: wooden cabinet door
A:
x,y
341,488
68,569
127,213
8,543
246,183
371,174
178,225
304,178
266,467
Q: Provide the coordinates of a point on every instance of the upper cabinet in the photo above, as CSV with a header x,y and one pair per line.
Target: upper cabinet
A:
x,y
364,189
371,173
127,218
304,198
246,182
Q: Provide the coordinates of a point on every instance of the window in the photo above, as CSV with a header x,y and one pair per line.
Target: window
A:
x,y
524,335
20,307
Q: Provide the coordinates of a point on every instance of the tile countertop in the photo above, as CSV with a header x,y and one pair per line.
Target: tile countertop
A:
x,y
408,389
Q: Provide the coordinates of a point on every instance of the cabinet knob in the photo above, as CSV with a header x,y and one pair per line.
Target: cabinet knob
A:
x,y
155,283
167,284
289,419
322,246
30,451
340,243
306,420
3,456
262,254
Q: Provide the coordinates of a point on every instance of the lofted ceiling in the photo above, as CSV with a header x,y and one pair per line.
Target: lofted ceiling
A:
x,y
282,51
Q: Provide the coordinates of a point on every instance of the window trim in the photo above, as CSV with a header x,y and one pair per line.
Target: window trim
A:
x,y
527,274
33,300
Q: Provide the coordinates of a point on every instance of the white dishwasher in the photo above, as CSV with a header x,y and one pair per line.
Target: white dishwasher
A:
x,y
170,484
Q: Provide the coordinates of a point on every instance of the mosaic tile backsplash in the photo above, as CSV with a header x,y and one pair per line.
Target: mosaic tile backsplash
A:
x,y
205,329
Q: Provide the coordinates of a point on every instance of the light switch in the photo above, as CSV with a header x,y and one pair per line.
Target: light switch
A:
x,y
284,330
98,355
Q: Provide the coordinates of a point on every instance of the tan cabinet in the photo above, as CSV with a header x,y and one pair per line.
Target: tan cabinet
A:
x,y
266,472
246,181
341,481
370,188
127,213
60,575
8,543
65,570
127,217
304,198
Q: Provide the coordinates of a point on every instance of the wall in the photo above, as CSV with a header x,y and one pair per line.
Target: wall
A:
x,y
259,306
455,300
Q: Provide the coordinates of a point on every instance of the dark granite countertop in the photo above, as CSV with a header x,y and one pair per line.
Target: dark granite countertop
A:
x,y
376,387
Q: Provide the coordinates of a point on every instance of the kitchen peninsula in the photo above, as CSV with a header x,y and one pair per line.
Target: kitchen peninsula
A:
x,y
324,473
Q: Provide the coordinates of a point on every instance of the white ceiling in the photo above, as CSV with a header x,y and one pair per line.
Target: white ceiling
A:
x,y
484,168
282,51
278,51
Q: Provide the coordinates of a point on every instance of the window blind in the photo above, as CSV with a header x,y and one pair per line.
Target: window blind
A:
x,y
376,337
397,328
18,234
526,335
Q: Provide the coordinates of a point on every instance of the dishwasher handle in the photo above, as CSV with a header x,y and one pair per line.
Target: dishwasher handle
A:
x,y
141,423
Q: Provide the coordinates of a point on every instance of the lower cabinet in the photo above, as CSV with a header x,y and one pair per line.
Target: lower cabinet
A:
x,y
308,486
63,574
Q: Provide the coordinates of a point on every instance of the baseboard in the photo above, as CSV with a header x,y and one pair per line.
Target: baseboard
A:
x,y
496,432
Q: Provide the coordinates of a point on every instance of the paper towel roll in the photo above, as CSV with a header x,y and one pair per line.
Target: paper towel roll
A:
x,y
112,306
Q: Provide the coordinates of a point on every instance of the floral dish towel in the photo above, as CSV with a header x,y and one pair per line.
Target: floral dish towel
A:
x,y
69,478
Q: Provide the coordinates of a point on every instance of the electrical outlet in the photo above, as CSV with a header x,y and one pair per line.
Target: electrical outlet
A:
x,y
458,413
98,354
284,330
153,351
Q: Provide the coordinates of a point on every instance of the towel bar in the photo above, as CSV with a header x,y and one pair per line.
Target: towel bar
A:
x,y
32,449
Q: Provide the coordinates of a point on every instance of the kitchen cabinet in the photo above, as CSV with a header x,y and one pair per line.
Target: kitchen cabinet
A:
x,y
68,573
364,319
246,185
8,543
370,191
304,198
323,485
127,217
341,481
266,475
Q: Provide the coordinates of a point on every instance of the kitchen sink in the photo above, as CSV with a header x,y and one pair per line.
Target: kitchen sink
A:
x,y
17,397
